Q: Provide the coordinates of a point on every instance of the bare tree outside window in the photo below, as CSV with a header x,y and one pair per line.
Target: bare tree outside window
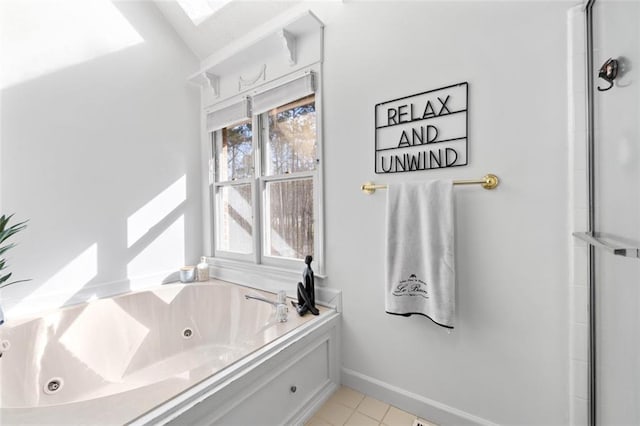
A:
x,y
235,229
234,162
292,138
291,148
235,152
287,162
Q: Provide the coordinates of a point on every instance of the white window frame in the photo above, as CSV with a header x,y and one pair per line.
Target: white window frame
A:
x,y
258,263
213,197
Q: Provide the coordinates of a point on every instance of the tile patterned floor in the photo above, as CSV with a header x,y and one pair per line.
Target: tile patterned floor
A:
x,y
347,407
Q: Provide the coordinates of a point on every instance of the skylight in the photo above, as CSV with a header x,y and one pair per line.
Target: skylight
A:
x,y
200,10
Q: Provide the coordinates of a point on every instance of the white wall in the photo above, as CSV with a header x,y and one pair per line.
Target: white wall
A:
x,y
87,145
507,360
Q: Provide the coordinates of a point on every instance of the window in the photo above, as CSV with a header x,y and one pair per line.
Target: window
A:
x,y
199,10
265,188
290,163
234,175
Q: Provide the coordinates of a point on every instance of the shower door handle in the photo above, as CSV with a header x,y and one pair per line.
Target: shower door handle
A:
x,y
618,251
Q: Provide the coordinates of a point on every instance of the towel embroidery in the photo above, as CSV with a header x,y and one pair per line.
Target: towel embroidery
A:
x,y
411,287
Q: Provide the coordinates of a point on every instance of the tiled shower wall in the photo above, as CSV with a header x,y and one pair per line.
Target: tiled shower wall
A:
x,y
577,132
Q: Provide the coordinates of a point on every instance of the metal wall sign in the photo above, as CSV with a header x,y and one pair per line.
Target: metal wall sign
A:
x,y
424,131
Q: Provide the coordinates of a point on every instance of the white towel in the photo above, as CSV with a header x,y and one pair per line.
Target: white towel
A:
x,y
420,251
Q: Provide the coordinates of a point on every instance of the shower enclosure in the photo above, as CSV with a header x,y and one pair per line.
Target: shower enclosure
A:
x,y
613,133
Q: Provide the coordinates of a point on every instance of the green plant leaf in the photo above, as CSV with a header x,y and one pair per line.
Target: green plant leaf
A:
x,y
3,221
12,283
6,248
7,232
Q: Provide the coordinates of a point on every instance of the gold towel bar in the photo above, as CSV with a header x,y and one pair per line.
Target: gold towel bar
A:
x,y
488,182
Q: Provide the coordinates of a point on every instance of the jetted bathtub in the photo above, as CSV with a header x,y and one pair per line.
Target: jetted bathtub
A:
x,y
179,352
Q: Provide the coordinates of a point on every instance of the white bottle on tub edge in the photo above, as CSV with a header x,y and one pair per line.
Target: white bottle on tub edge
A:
x,y
203,269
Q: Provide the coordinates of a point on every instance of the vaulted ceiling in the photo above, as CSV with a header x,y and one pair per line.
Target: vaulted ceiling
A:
x,y
232,21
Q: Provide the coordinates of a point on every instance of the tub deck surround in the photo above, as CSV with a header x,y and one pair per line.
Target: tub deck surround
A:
x,y
113,360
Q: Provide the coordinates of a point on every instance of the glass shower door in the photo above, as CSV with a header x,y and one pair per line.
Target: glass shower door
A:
x,y
616,186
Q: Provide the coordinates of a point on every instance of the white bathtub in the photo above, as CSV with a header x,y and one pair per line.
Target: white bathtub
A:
x,y
116,360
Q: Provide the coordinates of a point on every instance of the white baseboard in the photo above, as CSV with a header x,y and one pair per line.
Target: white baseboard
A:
x,y
425,408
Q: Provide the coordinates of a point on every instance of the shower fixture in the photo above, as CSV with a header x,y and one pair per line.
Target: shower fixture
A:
x,y
608,72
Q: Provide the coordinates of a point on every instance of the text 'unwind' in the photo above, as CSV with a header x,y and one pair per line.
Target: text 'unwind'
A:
x,y
423,131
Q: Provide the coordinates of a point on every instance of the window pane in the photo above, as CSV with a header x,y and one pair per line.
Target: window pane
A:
x,y
291,144
289,218
234,217
234,152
